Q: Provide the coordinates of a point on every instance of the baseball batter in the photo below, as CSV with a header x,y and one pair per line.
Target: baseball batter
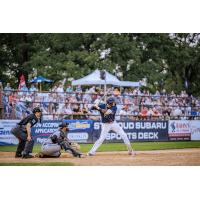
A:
x,y
108,112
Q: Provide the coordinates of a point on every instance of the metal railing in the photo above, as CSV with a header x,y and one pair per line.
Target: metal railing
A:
x,y
51,101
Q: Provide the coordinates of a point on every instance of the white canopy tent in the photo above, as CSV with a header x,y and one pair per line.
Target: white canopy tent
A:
x,y
94,79
129,84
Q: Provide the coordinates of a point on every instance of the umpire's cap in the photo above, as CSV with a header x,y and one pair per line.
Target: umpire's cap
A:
x,y
110,100
63,124
37,109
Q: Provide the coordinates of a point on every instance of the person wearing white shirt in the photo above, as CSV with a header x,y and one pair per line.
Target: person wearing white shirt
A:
x,y
33,89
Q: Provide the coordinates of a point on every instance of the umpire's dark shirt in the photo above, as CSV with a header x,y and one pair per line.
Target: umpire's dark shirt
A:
x,y
32,119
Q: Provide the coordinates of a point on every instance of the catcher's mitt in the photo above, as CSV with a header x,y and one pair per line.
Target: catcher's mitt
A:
x,y
75,146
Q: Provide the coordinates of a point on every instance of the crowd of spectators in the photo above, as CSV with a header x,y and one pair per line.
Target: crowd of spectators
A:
x,y
75,103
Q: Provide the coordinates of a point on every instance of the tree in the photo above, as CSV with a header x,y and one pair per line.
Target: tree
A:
x,y
169,61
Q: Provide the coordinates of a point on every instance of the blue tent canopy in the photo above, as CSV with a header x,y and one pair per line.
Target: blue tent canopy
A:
x,y
40,79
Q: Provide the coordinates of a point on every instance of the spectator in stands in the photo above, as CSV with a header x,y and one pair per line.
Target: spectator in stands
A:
x,y
33,89
69,89
24,90
78,89
124,113
60,88
67,109
7,107
150,112
7,89
78,113
157,95
172,94
54,88
56,104
156,113
118,99
177,112
144,113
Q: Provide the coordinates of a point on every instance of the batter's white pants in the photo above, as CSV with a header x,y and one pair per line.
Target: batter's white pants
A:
x,y
106,127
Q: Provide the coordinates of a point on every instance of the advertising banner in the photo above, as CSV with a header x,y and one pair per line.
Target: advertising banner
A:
x,y
79,130
136,131
179,130
41,131
88,131
6,138
195,129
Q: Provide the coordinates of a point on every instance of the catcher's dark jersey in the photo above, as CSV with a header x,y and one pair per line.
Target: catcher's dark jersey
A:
x,y
108,118
32,119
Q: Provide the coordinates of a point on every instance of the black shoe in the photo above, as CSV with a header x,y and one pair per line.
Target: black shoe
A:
x,y
39,155
25,156
18,155
78,155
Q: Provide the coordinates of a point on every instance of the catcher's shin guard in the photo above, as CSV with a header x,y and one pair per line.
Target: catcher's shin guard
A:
x,y
68,148
75,153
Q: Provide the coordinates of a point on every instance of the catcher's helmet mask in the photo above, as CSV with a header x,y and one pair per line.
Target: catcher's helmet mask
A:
x,y
63,124
37,109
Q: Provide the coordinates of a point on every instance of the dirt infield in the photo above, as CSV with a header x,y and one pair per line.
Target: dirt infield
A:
x,y
189,157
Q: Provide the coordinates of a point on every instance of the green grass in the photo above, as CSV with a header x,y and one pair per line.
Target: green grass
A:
x,y
38,164
138,146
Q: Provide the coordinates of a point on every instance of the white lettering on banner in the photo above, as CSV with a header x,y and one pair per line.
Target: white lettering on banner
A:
x,y
151,125
137,125
45,130
127,125
4,132
96,125
147,136
41,140
133,136
113,136
46,125
78,136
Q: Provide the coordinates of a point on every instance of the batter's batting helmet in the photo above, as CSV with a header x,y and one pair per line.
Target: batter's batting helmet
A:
x,y
110,100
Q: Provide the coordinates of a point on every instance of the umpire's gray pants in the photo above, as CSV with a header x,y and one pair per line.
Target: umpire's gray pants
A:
x,y
51,150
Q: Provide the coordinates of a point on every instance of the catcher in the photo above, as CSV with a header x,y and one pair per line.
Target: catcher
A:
x,y
58,141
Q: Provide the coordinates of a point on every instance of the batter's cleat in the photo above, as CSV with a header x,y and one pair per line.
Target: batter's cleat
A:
x,y
18,155
90,154
39,155
25,156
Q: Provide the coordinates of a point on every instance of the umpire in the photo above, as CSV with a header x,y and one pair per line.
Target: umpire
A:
x,y
22,131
